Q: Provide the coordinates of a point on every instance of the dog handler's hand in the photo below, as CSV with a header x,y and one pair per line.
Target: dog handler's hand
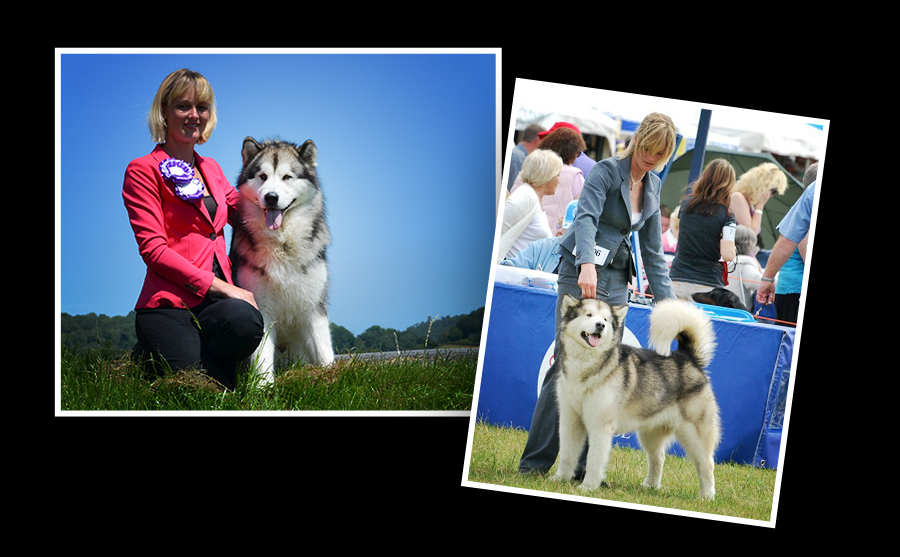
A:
x,y
587,280
766,293
228,290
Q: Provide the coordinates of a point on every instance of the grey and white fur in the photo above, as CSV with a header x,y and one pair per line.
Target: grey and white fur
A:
x,y
278,252
606,388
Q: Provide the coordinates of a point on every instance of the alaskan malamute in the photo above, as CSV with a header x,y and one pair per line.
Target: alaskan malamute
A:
x,y
278,251
605,388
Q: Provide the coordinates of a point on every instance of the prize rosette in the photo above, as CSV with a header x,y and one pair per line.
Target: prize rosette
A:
x,y
192,191
187,186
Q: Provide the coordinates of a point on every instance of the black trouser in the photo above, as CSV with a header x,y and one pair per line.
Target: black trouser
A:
x,y
787,308
213,337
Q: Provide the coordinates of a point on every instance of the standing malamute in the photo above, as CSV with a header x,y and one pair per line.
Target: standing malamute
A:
x,y
605,388
278,251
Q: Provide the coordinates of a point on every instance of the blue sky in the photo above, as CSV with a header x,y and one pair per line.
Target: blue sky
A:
x,y
408,160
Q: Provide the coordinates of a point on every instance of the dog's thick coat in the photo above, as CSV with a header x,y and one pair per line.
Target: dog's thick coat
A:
x,y
605,388
278,251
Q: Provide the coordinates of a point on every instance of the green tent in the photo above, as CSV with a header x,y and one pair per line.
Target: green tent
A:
x,y
677,177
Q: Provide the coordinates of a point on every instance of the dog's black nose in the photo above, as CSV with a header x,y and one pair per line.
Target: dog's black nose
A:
x,y
271,199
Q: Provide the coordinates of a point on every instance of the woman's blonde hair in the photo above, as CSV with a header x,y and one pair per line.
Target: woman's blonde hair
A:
x,y
759,179
674,219
173,86
541,166
655,134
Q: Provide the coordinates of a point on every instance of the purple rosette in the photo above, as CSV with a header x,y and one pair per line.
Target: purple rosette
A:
x,y
192,191
176,170
187,187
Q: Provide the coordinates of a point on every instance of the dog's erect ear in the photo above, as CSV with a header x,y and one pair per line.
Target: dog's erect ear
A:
x,y
250,149
309,152
568,301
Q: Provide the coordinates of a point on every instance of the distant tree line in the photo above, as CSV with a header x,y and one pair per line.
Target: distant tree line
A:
x,y
117,333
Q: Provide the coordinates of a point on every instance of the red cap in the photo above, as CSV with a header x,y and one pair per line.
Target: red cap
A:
x,y
556,126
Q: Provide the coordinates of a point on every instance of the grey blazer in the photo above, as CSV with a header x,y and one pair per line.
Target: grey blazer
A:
x,y
603,218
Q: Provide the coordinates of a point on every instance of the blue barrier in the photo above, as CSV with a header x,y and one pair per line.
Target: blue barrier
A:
x,y
731,314
749,372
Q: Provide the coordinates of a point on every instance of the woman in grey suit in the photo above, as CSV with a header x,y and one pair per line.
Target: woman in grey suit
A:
x,y
620,195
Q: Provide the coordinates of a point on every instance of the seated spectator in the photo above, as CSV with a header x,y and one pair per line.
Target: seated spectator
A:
x,y
539,255
745,271
524,220
565,140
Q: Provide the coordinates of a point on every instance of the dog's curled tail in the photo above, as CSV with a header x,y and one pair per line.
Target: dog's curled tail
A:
x,y
683,321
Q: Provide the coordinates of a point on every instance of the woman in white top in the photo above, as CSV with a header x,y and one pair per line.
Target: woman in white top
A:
x,y
524,220
745,272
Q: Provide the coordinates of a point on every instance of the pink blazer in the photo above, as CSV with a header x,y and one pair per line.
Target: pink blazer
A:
x,y
176,238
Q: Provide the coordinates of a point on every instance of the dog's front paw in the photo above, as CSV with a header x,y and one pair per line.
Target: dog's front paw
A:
x,y
708,495
591,486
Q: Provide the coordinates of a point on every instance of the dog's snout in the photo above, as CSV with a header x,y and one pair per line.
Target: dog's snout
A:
x,y
271,199
600,326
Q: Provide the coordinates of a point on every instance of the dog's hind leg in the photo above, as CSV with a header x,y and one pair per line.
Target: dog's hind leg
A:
x,y
699,441
655,442
310,341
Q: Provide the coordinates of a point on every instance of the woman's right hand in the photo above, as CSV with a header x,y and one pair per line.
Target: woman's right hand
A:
x,y
229,290
587,280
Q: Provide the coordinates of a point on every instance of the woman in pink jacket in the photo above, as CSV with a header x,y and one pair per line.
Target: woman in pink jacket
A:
x,y
189,312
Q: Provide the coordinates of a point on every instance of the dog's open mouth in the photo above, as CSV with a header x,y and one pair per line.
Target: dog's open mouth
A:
x,y
593,340
274,216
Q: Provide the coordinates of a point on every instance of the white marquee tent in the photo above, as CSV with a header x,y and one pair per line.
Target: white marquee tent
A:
x,y
599,112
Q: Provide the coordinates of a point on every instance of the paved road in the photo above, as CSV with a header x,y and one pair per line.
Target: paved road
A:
x,y
444,352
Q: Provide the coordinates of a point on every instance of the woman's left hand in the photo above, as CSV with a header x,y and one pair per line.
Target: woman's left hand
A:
x,y
229,290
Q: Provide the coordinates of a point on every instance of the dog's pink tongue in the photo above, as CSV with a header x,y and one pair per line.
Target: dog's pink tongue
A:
x,y
594,340
273,219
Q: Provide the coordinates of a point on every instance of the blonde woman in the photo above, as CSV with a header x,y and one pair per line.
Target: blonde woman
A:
x,y
524,220
620,195
189,311
751,192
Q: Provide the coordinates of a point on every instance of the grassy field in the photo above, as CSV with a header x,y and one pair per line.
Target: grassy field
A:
x,y
96,380
742,492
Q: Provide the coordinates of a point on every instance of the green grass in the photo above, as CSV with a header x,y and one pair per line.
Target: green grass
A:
x,y
97,380
742,492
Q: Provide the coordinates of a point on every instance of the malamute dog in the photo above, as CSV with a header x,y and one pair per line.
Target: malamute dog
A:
x,y
278,251
605,388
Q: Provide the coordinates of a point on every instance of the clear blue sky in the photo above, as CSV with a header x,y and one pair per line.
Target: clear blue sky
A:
x,y
408,160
